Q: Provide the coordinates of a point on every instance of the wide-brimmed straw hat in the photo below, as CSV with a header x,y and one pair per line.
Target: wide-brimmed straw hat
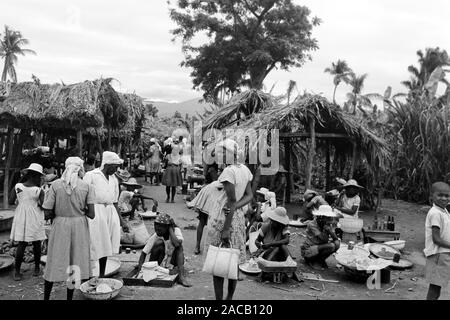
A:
x,y
325,211
352,183
35,167
263,191
309,192
278,214
123,174
132,183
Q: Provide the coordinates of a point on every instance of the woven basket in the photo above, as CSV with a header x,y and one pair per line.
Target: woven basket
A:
x,y
115,285
350,225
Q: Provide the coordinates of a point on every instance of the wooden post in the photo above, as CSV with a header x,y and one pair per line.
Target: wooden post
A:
x,y
9,156
352,168
311,154
327,166
109,137
287,154
80,143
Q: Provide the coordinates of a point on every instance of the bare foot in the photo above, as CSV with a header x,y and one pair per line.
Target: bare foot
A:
x,y
17,276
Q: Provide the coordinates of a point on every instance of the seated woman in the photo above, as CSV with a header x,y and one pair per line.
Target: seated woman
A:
x,y
166,245
321,240
312,202
349,202
273,237
130,199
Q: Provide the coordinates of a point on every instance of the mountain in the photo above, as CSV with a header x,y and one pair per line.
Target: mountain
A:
x,y
190,106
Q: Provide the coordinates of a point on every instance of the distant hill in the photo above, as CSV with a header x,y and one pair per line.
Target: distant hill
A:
x,y
190,107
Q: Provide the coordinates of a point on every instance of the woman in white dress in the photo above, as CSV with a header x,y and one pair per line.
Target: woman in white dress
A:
x,y
103,197
28,223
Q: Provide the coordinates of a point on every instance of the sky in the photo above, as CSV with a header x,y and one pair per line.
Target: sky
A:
x,y
131,42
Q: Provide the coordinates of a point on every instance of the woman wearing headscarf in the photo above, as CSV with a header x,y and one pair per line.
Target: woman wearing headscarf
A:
x,y
66,203
227,221
103,199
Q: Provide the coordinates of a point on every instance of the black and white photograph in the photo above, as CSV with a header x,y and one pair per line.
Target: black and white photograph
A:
x,y
236,150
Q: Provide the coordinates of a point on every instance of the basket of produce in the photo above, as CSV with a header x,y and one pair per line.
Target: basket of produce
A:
x,y
101,288
351,225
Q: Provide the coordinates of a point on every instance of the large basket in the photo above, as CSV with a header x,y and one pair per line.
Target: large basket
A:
x,y
115,285
351,225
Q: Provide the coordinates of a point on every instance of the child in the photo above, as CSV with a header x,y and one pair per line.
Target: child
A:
x,y
321,240
349,202
437,241
166,244
129,198
28,223
273,236
312,202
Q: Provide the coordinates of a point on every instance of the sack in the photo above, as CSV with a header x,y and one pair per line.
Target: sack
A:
x,y
126,238
140,232
222,262
253,235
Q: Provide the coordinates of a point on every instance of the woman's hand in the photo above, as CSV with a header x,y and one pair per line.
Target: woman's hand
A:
x,y
226,236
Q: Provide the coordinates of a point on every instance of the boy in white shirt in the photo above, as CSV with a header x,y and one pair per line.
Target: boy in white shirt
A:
x,y
437,241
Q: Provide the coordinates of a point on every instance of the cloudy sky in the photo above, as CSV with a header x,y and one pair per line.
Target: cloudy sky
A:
x,y
131,41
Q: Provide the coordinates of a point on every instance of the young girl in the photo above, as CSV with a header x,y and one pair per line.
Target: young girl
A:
x,y
172,175
28,223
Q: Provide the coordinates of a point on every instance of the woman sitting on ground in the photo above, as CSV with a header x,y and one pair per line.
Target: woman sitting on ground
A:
x,y
166,245
321,240
349,202
273,237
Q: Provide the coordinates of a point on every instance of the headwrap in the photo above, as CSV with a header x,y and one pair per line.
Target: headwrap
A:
x,y
110,158
163,218
70,176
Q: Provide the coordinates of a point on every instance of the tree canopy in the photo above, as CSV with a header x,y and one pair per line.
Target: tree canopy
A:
x,y
246,40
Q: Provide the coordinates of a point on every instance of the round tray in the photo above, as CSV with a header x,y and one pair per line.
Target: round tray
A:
x,y
115,285
6,261
376,249
244,268
148,214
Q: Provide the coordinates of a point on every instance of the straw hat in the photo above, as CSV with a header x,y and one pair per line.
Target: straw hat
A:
x,y
132,183
124,175
36,167
263,191
279,214
153,140
50,177
352,183
309,192
325,211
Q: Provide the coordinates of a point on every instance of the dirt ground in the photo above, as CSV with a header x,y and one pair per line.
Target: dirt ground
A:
x,y
409,285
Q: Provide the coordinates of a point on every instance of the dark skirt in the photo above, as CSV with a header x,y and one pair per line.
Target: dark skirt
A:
x,y
172,176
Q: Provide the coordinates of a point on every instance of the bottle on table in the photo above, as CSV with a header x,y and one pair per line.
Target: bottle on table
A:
x,y
393,224
375,223
385,223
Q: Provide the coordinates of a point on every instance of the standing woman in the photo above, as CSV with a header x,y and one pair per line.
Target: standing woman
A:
x,y
28,223
227,220
172,175
103,199
69,243
155,161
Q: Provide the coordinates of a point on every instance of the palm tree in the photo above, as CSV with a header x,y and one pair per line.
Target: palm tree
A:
x,y
340,70
356,98
10,47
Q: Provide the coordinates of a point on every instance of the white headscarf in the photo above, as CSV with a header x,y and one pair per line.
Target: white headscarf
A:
x,y
70,176
110,158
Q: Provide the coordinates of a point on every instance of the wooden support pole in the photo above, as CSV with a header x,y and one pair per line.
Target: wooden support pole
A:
x,y
352,168
327,166
311,153
80,143
9,156
287,154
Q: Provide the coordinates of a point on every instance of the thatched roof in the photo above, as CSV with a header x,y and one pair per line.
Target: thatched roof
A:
x,y
136,111
329,118
76,106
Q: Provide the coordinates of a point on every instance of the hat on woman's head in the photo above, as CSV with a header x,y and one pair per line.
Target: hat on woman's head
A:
x,y
132,183
263,191
123,175
75,161
153,140
111,158
352,183
310,192
163,218
325,211
278,214
34,167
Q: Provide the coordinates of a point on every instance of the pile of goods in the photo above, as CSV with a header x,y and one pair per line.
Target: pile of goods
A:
x,y
137,236
101,288
384,224
95,285
151,270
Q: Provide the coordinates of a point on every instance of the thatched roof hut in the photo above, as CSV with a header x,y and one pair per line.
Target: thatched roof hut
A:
x,y
76,106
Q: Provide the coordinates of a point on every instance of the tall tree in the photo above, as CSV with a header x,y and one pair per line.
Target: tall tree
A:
x,y
247,39
11,43
340,71
356,98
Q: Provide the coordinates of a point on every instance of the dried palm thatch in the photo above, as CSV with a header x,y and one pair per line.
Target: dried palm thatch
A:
x,y
136,112
76,106
240,108
295,117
